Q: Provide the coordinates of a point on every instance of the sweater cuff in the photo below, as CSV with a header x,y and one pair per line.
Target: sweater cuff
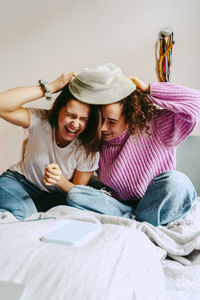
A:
x,y
156,88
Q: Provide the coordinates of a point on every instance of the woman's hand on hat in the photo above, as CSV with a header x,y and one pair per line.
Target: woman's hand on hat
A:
x,y
58,84
145,87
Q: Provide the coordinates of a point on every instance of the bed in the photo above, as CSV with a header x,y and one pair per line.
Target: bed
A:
x,y
128,260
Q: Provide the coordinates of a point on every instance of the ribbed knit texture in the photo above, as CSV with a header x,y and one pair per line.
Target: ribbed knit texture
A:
x,y
128,164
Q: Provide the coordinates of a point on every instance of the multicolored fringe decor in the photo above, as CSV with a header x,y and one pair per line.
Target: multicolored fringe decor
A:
x,y
165,54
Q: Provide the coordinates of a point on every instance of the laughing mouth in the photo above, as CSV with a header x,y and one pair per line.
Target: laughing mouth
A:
x,y
68,130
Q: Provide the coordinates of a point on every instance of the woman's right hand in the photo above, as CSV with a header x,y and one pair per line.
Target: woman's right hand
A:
x,y
11,100
58,84
144,87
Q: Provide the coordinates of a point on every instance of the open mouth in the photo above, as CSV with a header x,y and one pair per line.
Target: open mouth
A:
x,y
106,133
71,131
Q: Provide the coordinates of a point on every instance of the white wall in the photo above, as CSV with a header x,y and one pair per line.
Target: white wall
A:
x,y
41,39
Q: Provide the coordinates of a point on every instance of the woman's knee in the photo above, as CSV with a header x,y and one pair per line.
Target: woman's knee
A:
x,y
85,197
176,182
169,197
13,200
79,195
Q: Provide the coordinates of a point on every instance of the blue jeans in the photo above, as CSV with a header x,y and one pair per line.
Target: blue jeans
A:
x,y
22,198
168,198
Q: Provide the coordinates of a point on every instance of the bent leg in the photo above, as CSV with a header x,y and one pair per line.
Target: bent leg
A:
x,y
168,198
88,198
14,197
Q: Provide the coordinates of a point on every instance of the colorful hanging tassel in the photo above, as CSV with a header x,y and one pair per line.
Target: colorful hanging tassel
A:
x,y
165,59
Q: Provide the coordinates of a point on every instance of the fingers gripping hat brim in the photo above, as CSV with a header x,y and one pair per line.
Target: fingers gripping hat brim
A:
x,y
103,85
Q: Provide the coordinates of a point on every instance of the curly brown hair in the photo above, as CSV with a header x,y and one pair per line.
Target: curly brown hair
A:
x,y
138,110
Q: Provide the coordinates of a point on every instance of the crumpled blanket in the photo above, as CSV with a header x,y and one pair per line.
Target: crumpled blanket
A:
x,y
179,239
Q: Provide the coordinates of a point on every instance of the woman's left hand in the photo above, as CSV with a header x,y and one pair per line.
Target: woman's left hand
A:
x,y
143,86
52,174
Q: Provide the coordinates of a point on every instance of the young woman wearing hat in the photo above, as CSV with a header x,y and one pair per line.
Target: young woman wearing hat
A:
x,y
142,126
62,148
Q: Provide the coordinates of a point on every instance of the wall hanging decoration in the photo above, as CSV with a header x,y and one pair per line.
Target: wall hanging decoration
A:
x,y
165,54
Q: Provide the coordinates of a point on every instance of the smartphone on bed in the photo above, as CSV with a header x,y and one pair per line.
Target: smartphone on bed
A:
x,y
75,233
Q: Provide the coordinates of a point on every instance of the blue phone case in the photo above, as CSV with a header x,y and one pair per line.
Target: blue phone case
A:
x,y
76,233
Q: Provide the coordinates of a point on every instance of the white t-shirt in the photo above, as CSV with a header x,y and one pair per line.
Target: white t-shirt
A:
x,y
41,150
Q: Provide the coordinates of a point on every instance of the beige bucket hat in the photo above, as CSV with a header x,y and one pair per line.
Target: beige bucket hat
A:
x,y
104,84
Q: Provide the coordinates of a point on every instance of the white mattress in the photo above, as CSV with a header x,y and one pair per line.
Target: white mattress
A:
x,y
127,260
120,263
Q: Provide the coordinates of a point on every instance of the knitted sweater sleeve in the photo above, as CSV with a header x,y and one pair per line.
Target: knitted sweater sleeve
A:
x,y
180,114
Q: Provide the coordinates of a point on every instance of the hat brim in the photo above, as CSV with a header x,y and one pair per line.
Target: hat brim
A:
x,y
122,88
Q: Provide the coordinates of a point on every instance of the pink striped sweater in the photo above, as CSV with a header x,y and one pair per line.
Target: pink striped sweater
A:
x,y
129,163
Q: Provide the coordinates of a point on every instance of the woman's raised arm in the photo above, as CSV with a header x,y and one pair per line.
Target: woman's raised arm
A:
x,y
11,100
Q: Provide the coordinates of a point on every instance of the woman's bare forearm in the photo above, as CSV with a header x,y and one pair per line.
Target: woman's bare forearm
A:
x,y
12,99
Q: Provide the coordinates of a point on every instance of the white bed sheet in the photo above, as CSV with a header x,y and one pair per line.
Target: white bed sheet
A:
x,y
128,260
120,263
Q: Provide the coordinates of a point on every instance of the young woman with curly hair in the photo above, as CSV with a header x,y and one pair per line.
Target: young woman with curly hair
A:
x,y
142,124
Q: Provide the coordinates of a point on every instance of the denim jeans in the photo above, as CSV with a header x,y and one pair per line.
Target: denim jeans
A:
x,y
168,198
22,198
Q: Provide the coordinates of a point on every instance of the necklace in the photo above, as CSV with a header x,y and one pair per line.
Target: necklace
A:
x,y
61,143
58,141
